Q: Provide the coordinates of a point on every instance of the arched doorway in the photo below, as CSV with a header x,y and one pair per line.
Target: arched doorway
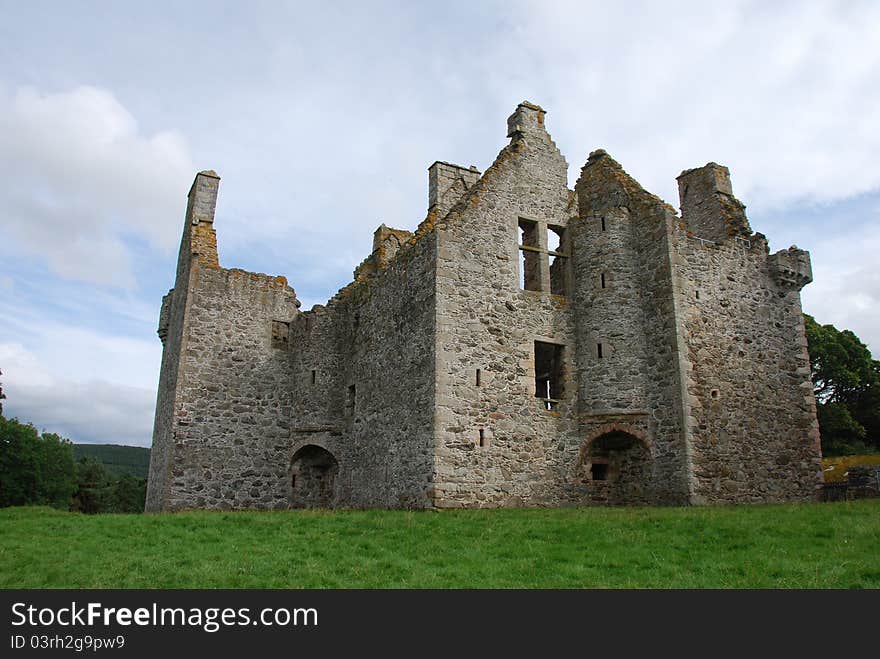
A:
x,y
313,478
617,466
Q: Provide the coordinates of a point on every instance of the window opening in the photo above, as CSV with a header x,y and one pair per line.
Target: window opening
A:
x,y
558,255
280,334
599,471
351,400
549,381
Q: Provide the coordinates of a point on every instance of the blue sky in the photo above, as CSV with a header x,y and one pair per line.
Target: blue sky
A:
x,y
322,121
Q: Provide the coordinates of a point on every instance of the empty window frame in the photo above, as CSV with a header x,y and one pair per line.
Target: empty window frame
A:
x,y
549,374
599,470
543,257
531,254
557,252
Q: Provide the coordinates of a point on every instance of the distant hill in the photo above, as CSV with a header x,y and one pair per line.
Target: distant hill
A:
x,y
117,459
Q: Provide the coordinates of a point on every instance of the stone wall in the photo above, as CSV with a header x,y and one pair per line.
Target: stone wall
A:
x,y
626,304
220,438
753,420
363,369
201,202
497,444
234,396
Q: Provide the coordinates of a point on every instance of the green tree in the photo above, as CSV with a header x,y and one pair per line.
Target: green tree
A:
x,y
93,488
34,469
846,381
128,495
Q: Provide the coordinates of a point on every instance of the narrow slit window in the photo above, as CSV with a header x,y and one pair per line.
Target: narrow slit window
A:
x,y
350,400
603,224
599,350
530,255
482,437
698,295
557,250
478,377
314,376
602,279
549,380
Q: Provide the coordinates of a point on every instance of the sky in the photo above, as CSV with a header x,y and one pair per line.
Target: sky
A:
x,y
322,119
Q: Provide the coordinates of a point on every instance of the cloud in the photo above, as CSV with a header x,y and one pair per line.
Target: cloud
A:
x,y
77,179
93,412
846,284
785,94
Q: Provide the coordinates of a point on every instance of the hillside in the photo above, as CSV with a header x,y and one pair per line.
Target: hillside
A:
x,y
118,460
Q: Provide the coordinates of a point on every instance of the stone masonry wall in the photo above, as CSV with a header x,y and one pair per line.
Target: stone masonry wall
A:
x,y
221,429
201,202
376,336
755,435
485,321
626,303
234,396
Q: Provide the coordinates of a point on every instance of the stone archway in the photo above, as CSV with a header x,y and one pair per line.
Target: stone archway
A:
x,y
313,471
617,466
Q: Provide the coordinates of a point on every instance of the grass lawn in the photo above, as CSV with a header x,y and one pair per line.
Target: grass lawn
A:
x,y
832,545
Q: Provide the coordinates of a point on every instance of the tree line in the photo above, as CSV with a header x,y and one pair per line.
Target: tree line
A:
x,y
39,469
846,381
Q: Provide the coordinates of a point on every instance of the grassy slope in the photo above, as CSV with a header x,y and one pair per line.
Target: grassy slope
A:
x,y
818,545
117,459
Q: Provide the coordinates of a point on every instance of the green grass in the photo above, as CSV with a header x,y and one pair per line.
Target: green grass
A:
x,y
793,546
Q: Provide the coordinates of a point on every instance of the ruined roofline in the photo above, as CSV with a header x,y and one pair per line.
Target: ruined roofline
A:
x,y
519,124
601,158
199,226
722,187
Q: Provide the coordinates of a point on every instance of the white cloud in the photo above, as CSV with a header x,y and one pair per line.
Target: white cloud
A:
x,y
93,411
785,94
846,287
77,177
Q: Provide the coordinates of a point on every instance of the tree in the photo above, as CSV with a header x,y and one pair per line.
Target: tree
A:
x,y
93,488
846,381
128,495
34,469
2,396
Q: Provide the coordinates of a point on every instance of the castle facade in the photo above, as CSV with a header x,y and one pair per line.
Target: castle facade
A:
x,y
527,345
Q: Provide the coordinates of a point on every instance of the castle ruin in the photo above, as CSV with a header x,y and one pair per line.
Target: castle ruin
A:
x,y
527,345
